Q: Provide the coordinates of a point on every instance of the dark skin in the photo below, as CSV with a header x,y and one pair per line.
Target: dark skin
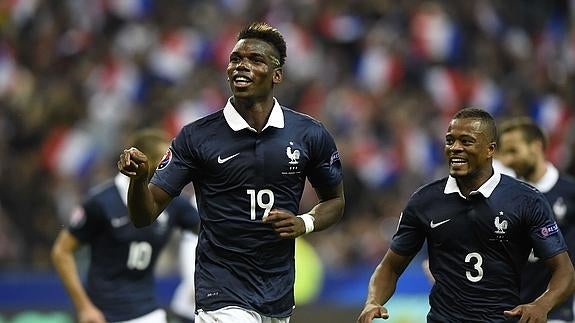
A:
x,y
469,152
252,74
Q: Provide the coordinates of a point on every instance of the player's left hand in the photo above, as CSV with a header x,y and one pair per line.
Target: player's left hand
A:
x,y
528,313
286,224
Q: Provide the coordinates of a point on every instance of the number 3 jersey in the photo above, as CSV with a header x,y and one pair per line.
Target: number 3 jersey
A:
x,y
239,175
120,277
477,246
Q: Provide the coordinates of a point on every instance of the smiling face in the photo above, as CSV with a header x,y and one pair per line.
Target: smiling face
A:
x,y
253,69
468,149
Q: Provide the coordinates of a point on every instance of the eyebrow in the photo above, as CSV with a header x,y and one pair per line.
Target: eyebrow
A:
x,y
275,60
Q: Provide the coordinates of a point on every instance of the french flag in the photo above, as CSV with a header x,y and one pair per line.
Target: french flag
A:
x,y
377,166
553,115
487,95
378,70
8,69
177,53
435,37
117,76
130,9
69,152
191,110
447,87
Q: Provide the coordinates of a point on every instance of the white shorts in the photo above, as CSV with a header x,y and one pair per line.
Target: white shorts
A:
x,y
157,316
234,314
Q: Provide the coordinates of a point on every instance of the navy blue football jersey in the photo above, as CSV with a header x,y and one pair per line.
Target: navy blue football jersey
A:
x,y
120,278
477,246
560,192
239,175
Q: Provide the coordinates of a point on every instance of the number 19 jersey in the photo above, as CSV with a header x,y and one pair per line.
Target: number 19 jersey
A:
x,y
239,175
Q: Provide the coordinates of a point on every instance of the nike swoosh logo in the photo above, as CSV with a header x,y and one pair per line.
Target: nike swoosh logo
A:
x,y
223,160
435,225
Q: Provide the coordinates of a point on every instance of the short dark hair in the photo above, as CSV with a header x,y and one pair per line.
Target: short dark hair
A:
x,y
148,139
269,34
528,128
482,115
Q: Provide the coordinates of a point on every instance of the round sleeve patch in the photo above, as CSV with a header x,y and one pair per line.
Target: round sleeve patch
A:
x,y
165,160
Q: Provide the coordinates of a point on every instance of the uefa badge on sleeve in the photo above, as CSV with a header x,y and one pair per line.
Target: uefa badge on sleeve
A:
x,y
165,160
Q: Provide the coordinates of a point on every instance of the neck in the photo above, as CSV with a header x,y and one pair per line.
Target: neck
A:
x,y
473,182
256,113
538,172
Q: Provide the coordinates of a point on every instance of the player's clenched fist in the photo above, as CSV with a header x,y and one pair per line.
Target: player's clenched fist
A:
x,y
371,311
133,163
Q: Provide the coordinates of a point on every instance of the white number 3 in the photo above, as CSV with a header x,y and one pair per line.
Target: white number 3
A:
x,y
259,198
477,266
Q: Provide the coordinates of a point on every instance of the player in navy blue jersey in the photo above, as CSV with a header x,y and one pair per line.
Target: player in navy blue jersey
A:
x,y
522,147
248,163
480,227
120,278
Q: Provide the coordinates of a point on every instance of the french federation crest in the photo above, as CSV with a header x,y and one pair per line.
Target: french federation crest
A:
x,y
560,209
501,226
293,155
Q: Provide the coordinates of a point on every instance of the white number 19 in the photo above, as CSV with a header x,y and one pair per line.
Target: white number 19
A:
x,y
259,199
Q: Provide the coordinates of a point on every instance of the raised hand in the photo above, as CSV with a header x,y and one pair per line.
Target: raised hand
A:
x,y
133,163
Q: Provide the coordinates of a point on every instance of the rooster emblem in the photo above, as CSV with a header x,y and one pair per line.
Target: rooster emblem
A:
x,y
292,155
559,208
500,225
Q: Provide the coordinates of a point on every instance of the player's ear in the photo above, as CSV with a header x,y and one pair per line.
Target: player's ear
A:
x,y
491,148
278,75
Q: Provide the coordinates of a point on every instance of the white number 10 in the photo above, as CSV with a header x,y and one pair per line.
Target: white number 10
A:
x,y
259,199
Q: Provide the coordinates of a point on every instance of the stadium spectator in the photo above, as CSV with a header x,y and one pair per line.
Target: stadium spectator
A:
x,y
480,227
120,281
522,146
249,163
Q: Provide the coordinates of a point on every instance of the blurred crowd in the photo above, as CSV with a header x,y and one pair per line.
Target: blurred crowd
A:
x,y
77,77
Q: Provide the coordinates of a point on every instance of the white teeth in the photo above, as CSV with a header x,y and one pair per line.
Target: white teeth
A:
x,y
457,161
241,79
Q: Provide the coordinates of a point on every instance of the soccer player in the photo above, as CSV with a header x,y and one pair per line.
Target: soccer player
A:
x,y
248,163
480,227
120,278
522,147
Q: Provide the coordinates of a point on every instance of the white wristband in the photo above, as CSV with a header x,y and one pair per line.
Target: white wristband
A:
x,y
308,220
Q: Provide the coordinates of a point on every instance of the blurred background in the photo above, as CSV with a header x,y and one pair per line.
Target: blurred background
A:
x,y
77,77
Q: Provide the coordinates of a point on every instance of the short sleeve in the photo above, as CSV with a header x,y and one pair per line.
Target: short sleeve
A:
x,y
544,232
178,166
325,166
410,234
87,221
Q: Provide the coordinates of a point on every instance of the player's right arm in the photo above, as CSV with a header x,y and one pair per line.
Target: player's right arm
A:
x,y
382,286
145,201
64,262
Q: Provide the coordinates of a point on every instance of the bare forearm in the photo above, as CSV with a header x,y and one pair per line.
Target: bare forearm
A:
x,y
561,285
66,268
329,210
142,207
327,213
381,286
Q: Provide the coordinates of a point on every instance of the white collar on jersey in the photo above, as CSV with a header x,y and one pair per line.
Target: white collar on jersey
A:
x,y
237,123
486,189
122,183
546,183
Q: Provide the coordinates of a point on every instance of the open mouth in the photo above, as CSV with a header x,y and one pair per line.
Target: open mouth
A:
x,y
457,162
242,81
